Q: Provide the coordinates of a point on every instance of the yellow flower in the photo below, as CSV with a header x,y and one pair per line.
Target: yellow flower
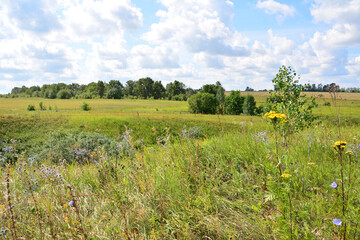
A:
x,y
311,163
286,175
339,145
67,219
274,115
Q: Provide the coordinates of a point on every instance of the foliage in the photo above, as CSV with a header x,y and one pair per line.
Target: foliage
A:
x,y
85,107
64,94
234,103
31,107
175,88
114,93
203,102
289,99
42,106
249,105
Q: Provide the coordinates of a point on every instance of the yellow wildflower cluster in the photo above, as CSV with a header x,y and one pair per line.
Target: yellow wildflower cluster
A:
x,y
274,115
339,145
286,175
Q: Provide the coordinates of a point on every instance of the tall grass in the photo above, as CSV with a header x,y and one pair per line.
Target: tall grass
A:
x,y
190,182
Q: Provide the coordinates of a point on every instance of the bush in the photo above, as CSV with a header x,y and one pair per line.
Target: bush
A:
x,y
42,106
31,107
85,107
64,94
288,98
249,105
203,103
234,103
179,97
114,93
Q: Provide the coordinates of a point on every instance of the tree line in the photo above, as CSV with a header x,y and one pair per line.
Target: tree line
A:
x,y
323,88
144,88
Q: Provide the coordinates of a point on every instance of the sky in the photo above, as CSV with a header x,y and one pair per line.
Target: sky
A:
x,y
239,43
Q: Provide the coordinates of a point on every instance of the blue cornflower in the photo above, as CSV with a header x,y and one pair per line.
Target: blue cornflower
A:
x,y
71,203
334,185
337,222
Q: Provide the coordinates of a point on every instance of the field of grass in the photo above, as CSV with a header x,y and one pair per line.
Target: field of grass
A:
x,y
146,169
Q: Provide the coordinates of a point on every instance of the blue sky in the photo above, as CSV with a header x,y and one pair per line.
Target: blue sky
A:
x,y
239,43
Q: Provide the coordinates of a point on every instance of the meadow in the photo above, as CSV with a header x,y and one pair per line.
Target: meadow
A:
x,y
148,169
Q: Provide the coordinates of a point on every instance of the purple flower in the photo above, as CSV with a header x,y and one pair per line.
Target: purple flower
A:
x,y
337,222
334,185
71,203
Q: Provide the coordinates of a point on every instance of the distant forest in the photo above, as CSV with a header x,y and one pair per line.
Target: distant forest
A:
x,y
144,88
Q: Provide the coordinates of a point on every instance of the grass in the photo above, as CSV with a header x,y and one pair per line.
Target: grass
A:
x,y
220,183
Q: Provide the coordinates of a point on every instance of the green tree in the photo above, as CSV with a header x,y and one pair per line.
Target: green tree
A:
x,y
249,105
101,88
114,93
220,96
288,98
129,88
209,88
175,88
144,88
234,103
158,90
203,103
64,94
92,90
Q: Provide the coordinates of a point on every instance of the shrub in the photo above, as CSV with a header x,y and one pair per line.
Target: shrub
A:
x,y
249,105
288,98
114,93
31,107
64,94
179,97
203,103
41,106
85,107
234,103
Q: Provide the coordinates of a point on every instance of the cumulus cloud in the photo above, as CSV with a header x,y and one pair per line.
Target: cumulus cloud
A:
x,y
36,16
272,7
194,41
345,17
200,26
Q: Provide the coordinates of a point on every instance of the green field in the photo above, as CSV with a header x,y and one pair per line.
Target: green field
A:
x,y
148,169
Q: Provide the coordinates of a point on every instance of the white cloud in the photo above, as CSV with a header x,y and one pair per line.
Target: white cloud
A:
x,y
143,56
272,7
345,17
199,26
89,18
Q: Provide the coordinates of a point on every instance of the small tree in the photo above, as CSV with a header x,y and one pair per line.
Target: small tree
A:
x,y
288,99
203,103
249,105
234,103
114,93
64,94
85,107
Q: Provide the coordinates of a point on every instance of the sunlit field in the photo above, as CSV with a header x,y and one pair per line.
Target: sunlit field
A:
x,y
148,169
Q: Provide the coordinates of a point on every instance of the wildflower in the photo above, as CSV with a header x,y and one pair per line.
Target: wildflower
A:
x,y
274,116
349,153
337,222
67,219
286,175
334,185
340,145
71,203
311,163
